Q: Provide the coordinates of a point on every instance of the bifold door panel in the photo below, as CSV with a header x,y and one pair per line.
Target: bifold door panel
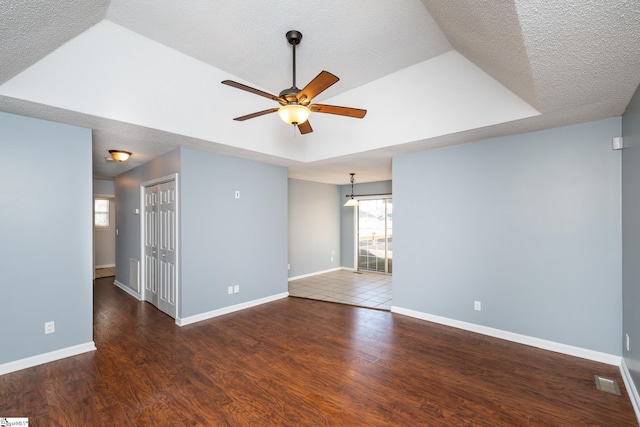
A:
x,y
160,246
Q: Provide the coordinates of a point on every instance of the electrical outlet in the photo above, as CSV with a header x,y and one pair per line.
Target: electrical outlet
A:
x,y
288,266
477,305
626,342
331,259
230,290
236,289
49,327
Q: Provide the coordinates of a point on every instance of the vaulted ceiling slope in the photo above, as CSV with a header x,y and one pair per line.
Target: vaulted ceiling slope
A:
x,y
146,75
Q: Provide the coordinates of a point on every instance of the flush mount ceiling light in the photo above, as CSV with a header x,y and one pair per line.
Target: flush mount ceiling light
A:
x,y
119,155
352,201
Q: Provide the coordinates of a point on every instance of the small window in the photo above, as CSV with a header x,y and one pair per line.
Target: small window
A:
x,y
101,213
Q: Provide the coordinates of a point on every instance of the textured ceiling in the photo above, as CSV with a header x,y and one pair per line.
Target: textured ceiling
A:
x,y
489,34
359,41
145,75
582,52
31,29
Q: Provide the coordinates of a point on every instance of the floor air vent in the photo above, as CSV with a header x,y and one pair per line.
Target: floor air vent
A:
x,y
605,384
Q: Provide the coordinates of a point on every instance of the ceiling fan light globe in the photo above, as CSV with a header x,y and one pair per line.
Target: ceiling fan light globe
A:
x,y
352,202
294,114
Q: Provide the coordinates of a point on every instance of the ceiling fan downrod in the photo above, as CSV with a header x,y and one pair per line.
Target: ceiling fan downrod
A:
x,y
293,37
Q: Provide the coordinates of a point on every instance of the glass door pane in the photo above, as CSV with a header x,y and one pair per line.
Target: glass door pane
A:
x,y
374,235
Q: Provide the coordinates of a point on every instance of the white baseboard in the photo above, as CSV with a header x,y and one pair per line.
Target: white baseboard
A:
x,y
302,276
632,391
226,310
128,290
583,353
105,266
51,356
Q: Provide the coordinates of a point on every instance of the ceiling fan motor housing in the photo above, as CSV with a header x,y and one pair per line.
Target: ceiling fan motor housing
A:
x,y
290,95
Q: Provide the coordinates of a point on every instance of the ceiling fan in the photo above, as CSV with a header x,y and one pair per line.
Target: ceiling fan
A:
x,y
295,103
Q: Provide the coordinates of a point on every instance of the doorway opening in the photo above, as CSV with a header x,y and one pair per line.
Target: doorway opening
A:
x,y
104,236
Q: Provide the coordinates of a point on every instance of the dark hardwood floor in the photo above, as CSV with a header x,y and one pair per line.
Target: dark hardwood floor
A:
x,y
297,362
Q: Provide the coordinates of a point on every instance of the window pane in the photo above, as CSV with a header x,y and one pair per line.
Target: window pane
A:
x,y
101,216
102,205
102,220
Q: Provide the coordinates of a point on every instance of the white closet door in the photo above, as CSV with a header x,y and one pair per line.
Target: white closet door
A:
x,y
160,246
167,248
151,244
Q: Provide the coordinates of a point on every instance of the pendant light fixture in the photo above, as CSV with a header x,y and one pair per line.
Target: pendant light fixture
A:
x,y
352,201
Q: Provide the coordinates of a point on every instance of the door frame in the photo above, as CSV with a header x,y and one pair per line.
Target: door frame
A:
x,y
93,234
142,268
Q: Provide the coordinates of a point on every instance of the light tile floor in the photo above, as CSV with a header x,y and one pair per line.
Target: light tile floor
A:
x,y
372,290
105,272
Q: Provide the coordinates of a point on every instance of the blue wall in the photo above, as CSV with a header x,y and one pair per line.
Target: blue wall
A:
x,y
104,188
224,241
314,227
631,234
227,241
527,224
46,234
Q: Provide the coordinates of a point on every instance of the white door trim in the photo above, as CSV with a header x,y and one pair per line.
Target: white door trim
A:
x,y
356,232
150,183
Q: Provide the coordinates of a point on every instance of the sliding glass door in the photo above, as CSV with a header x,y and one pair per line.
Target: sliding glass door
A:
x,y
375,235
